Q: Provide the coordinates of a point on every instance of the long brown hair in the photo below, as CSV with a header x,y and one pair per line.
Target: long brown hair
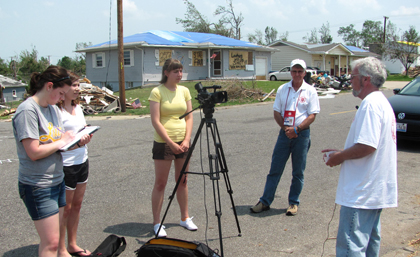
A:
x,y
170,65
73,78
55,74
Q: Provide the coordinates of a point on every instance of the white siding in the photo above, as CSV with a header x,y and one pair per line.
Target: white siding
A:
x,y
286,55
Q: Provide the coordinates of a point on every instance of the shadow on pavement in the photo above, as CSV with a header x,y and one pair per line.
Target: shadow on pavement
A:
x,y
26,251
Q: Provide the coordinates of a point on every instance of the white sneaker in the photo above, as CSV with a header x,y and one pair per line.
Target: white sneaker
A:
x,y
188,224
162,232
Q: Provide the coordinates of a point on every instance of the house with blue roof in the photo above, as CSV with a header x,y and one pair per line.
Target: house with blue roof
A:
x,y
333,58
203,55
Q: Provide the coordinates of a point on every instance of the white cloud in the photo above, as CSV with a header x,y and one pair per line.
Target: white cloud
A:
x,y
406,11
360,4
48,3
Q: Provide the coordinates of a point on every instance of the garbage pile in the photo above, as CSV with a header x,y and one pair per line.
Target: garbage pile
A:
x,y
96,100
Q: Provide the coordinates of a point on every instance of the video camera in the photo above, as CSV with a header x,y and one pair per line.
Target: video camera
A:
x,y
207,99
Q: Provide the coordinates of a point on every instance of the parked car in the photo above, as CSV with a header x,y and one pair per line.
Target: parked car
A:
x,y
406,105
284,74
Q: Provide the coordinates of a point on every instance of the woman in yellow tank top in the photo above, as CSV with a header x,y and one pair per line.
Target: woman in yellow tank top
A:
x,y
172,138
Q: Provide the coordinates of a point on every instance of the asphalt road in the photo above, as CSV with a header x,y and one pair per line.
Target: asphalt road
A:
x,y
117,200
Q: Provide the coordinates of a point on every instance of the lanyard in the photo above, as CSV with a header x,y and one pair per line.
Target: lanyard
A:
x,y
285,106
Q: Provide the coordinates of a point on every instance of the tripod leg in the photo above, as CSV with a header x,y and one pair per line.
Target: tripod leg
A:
x,y
224,170
184,167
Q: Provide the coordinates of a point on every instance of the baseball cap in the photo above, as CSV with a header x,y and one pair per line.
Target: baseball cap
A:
x,y
298,62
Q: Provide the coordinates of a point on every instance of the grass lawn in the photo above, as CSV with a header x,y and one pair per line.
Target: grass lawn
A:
x,y
263,86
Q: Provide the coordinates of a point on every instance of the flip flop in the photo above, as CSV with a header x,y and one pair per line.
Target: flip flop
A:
x,y
79,253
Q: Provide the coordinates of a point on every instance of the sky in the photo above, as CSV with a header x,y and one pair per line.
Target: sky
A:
x,y
53,27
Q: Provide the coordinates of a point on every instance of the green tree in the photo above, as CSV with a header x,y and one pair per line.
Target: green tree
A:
x,y
4,68
229,17
228,25
256,38
372,32
28,62
312,38
350,35
270,35
80,59
403,48
284,36
66,62
194,21
326,37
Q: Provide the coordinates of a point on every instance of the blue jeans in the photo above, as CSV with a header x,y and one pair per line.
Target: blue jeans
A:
x,y
359,232
299,148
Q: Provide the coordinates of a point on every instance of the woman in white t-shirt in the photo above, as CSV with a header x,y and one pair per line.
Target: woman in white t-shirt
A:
x,y
76,170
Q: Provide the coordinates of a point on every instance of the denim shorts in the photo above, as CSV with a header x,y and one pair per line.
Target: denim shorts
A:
x,y
42,202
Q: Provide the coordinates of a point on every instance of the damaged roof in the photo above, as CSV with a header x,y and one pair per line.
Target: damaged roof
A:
x,y
8,82
164,38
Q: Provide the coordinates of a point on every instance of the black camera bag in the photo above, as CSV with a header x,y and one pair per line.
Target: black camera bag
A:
x,y
169,247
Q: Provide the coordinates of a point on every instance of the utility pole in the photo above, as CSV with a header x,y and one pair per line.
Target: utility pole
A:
x,y
121,55
385,18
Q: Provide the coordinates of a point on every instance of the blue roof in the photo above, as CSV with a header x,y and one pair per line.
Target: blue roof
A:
x,y
175,38
356,49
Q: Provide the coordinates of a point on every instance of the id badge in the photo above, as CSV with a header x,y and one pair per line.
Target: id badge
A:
x,y
289,118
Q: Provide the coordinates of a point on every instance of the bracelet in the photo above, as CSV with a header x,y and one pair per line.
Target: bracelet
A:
x,y
78,144
295,130
298,129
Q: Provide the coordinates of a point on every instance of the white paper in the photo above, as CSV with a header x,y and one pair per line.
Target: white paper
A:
x,y
87,130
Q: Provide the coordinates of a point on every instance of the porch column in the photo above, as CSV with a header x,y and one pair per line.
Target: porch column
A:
x,y
339,65
208,63
347,65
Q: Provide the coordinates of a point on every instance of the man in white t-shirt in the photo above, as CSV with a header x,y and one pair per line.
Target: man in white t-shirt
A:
x,y
368,176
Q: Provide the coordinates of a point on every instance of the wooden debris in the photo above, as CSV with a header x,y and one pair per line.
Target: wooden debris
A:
x,y
265,97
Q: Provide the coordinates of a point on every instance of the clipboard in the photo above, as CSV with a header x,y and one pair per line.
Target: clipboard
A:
x,y
86,130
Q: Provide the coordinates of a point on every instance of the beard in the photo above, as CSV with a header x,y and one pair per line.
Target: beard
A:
x,y
357,93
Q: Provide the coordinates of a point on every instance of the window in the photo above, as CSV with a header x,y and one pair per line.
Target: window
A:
x,y
197,58
129,84
239,59
250,58
162,55
14,93
128,58
98,60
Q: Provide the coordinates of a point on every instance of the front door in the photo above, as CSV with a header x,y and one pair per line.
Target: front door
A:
x,y
216,63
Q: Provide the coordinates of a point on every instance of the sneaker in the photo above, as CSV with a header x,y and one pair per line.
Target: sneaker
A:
x,y
292,210
188,224
162,232
259,207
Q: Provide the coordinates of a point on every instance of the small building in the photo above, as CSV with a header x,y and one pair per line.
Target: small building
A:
x,y
333,58
203,55
11,90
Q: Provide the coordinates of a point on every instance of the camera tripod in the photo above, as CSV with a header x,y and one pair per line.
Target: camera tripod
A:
x,y
217,165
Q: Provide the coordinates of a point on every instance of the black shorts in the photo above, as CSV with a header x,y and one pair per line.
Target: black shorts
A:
x,y
162,151
76,174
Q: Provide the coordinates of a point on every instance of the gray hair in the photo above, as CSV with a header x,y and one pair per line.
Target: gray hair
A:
x,y
371,67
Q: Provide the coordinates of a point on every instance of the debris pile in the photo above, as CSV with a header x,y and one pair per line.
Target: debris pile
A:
x,y
96,100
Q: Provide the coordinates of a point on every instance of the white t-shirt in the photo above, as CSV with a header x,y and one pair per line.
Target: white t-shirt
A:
x,y
371,182
307,97
74,123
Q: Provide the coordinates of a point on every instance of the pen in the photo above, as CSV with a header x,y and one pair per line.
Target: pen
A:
x,y
60,130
